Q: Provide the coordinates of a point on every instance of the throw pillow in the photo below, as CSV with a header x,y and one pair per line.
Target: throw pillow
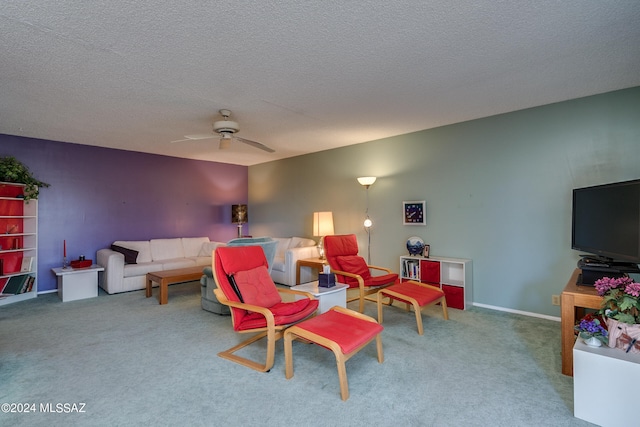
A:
x,y
256,287
130,256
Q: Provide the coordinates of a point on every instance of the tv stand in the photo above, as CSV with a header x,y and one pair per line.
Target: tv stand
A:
x,y
573,297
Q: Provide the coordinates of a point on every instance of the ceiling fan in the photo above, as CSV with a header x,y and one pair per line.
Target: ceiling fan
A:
x,y
226,129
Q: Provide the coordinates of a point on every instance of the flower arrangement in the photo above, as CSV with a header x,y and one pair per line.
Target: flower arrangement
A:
x,y
620,299
591,327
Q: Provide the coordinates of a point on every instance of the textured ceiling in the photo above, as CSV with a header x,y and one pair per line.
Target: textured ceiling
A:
x,y
299,76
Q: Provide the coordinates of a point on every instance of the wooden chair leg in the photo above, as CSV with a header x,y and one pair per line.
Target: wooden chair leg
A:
x,y
342,376
379,304
288,355
379,348
418,311
445,312
272,337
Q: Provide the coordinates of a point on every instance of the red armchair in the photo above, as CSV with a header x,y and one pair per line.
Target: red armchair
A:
x,y
243,283
342,254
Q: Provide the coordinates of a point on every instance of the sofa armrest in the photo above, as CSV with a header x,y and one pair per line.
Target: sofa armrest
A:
x,y
113,276
291,257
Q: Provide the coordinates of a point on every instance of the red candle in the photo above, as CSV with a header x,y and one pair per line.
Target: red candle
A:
x,y
64,254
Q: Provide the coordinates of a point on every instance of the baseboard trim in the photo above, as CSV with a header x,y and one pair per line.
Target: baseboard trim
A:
x,y
524,313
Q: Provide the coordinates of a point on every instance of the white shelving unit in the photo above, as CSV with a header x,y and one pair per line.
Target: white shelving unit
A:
x,y
452,275
18,241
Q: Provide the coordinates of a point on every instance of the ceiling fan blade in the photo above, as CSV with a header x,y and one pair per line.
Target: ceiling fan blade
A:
x,y
200,136
195,137
256,144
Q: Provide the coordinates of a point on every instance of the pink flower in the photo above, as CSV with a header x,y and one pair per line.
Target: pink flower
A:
x,y
633,289
607,283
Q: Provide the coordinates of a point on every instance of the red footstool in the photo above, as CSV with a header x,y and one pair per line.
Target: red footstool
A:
x,y
415,293
341,330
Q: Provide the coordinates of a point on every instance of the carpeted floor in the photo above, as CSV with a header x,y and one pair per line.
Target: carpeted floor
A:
x,y
125,360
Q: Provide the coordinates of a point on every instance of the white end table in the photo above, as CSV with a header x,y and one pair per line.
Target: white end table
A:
x,y
590,365
327,297
77,283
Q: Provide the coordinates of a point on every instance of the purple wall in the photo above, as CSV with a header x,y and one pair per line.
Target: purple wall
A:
x,y
98,195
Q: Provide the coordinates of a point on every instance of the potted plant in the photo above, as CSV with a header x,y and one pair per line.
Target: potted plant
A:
x,y
11,170
621,309
592,331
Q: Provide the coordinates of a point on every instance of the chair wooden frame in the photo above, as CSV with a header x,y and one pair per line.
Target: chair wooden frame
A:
x,y
364,290
297,332
272,331
417,308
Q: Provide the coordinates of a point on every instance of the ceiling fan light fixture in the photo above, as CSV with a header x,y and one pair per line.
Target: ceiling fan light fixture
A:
x,y
225,140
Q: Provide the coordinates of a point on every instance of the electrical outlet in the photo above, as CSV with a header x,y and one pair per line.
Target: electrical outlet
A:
x,y
555,299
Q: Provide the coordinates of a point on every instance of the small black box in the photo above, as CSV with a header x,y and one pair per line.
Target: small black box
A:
x,y
326,280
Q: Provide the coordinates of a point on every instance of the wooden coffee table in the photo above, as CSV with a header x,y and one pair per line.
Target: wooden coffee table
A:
x,y
169,277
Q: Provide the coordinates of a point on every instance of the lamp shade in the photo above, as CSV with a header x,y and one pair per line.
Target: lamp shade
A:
x,y
239,214
367,180
322,223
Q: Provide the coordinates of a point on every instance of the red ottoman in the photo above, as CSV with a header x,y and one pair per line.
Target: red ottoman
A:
x,y
340,330
414,293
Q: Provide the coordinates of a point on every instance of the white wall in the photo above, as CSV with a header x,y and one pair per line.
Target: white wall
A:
x,y
498,191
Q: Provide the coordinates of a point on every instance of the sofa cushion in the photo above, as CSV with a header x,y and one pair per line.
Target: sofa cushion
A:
x,y
301,242
192,245
172,264
130,256
201,260
207,248
141,269
162,249
283,245
142,246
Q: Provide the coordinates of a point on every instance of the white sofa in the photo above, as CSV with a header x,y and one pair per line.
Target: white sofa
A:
x,y
288,252
152,255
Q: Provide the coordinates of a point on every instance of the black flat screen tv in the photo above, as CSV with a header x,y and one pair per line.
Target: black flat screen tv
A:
x,y
606,221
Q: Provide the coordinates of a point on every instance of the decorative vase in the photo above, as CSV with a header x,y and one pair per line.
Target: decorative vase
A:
x,y
592,342
624,336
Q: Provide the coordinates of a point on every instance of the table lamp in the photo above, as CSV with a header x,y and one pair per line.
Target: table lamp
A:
x,y
322,226
239,215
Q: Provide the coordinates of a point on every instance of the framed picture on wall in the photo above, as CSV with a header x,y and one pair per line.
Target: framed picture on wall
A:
x,y
414,213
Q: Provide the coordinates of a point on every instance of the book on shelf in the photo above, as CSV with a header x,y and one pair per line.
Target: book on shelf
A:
x,y
27,264
15,284
411,268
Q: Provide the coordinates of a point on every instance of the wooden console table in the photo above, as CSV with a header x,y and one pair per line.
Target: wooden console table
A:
x,y
316,263
573,296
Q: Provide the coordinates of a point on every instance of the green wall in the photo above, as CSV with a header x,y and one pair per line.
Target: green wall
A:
x,y
498,192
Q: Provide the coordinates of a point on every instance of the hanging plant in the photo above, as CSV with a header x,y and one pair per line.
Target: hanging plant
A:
x,y
11,170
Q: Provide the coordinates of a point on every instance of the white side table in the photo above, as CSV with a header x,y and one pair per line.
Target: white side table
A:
x,y
77,283
327,297
590,366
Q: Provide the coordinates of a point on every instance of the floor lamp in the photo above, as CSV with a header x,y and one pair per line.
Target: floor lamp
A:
x,y
367,181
